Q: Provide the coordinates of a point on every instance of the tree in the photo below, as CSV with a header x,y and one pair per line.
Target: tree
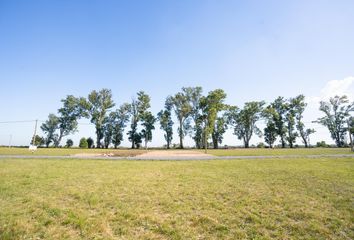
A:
x,y
270,134
194,95
90,142
68,116
148,121
166,123
219,130
138,108
121,117
290,123
69,143
351,132
83,143
280,109
270,131
183,109
336,111
211,105
98,105
299,106
108,127
49,127
38,140
244,120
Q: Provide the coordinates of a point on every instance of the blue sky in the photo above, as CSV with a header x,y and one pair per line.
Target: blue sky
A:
x,y
254,50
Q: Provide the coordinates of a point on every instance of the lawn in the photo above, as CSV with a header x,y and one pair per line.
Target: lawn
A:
x,y
278,151
69,151
216,152
222,199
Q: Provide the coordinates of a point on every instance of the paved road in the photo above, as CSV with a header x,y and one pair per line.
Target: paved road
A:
x,y
174,157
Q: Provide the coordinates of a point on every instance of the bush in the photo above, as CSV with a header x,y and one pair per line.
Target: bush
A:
x,y
83,143
322,144
69,143
90,142
260,145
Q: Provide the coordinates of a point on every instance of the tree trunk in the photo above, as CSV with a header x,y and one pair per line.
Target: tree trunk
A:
x,y
350,138
180,134
282,142
246,142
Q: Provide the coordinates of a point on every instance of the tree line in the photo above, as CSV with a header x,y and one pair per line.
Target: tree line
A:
x,y
203,117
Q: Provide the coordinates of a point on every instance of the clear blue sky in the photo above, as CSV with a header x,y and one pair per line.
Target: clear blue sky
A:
x,y
255,50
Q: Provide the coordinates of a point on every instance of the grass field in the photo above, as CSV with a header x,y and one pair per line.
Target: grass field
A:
x,y
278,151
69,151
217,152
234,199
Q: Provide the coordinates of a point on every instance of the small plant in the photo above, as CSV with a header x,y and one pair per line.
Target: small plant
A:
x,y
83,143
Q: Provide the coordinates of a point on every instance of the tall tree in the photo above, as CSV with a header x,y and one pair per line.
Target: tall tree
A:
x,y
351,132
121,116
337,111
270,131
244,121
219,130
49,127
108,127
148,121
299,106
211,105
138,108
98,105
194,95
279,115
270,134
290,123
183,110
69,113
166,123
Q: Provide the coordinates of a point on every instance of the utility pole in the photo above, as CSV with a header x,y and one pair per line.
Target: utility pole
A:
x,y
34,135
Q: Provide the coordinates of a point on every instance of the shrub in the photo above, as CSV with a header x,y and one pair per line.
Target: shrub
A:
x,y
83,143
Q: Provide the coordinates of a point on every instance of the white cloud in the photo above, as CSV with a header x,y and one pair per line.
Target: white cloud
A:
x,y
333,88
338,87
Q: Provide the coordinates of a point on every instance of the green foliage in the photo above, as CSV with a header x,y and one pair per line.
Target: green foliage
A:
x,y
148,121
166,123
138,107
279,110
194,95
270,134
49,127
90,142
337,111
38,140
121,117
244,120
69,143
210,106
83,143
98,105
181,105
68,116
221,125
322,144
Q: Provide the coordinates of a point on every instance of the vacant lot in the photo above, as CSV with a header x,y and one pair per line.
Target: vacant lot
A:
x,y
278,151
134,152
236,199
70,151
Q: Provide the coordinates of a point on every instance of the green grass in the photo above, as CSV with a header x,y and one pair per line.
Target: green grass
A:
x,y
278,151
217,152
68,151
235,199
